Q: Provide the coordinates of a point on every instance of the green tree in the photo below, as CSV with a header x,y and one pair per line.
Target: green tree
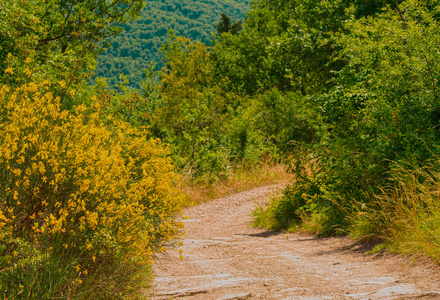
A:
x,y
209,128
225,25
283,44
61,37
382,110
192,109
242,59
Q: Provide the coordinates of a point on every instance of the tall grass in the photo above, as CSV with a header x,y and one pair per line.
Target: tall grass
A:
x,y
240,178
407,216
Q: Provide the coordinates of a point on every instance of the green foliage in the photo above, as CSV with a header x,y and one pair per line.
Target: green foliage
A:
x,y
381,108
284,45
60,38
18,30
299,43
208,128
289,120
365,8
385,105
225,25
284,211
192,108
241,58
140,42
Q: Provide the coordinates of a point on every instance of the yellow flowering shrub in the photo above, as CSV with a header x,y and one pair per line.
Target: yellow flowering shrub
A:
x,y
80,200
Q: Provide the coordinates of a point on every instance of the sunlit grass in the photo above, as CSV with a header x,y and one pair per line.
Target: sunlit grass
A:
x,y
240,179
407,216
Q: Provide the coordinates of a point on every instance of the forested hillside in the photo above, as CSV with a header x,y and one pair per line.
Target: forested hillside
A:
x,y
132,51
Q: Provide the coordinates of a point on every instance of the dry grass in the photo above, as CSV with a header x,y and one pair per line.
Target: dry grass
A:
x,y
406,217
240,179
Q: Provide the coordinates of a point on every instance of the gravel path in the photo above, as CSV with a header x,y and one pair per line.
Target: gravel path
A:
x,y
226,259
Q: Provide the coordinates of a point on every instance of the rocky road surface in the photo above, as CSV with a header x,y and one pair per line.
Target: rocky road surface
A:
x,y
224,259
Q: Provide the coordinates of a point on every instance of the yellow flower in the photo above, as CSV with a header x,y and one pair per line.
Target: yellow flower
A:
x,y
9,70
116,178
28,72
28,60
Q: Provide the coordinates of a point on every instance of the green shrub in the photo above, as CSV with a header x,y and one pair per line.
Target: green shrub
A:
x,y
383,109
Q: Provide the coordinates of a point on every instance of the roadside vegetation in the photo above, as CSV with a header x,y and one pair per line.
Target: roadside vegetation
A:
x,y
372,168
240,179
86,198
342,93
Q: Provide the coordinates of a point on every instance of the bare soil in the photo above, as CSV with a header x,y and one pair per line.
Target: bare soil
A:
x,y
225,258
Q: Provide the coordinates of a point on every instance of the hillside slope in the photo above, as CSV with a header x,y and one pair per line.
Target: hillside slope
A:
x,y
139,43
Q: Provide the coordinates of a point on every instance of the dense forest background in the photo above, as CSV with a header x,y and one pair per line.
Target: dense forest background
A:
x,y
139,43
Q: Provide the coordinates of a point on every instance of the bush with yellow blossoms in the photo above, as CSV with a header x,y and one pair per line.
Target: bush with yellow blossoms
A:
x,y
85,200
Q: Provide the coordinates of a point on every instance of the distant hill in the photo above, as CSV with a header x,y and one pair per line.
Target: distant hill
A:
x,y
139,43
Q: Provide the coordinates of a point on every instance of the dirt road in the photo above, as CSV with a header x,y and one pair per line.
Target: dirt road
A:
x,y
226,259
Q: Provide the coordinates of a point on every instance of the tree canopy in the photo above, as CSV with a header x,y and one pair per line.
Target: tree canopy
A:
x,y
139,44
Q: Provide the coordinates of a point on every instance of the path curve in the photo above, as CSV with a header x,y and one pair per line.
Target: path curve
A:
x,y
225,259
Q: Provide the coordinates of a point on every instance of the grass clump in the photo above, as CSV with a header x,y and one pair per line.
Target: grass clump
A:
x,y
299,206
406,216
84,200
